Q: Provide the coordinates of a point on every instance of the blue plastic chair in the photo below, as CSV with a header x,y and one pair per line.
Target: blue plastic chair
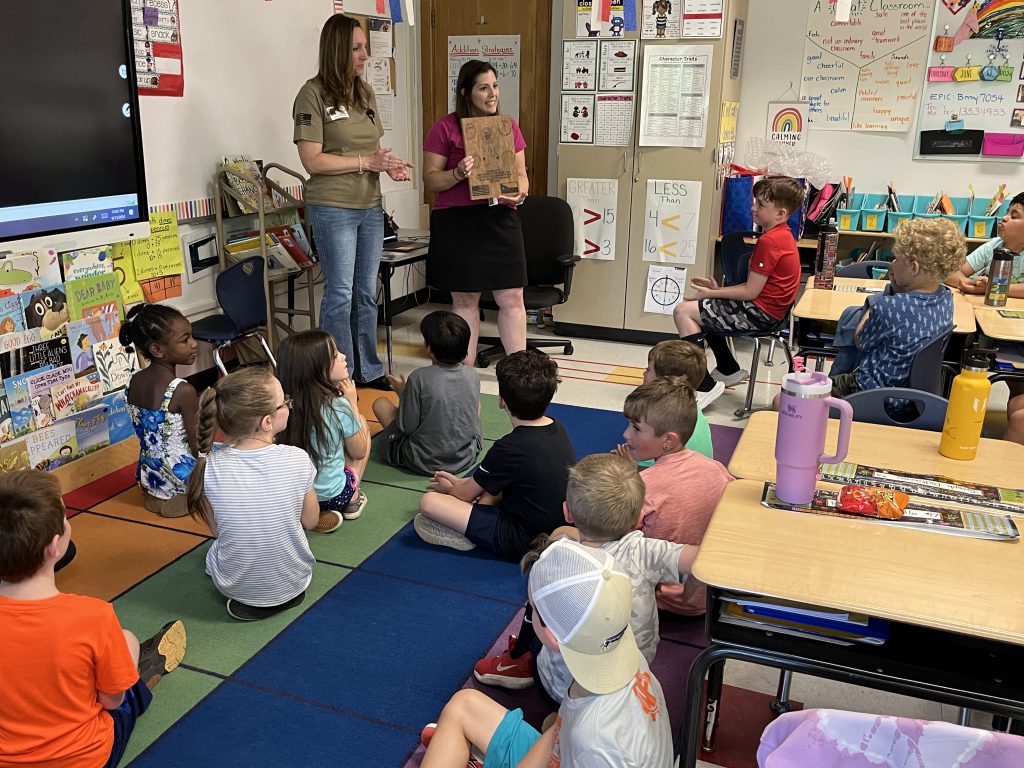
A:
x,y
861,269
242,295
898,407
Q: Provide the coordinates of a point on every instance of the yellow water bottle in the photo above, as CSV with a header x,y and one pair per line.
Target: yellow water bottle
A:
x,y
965,415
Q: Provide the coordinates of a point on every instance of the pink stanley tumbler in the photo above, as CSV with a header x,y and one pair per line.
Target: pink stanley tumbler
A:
x,y
800,438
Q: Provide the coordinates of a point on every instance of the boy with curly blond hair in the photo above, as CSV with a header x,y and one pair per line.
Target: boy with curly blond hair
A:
x,y
914,309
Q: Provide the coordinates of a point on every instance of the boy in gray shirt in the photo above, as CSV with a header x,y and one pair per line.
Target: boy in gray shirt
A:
x,y
436,425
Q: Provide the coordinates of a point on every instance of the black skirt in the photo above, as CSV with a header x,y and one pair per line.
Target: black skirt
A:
x,y
476,248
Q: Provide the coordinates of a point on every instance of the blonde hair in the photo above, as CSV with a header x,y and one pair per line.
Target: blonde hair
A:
x,y
236,405
666,405
678,358
937,245
605,494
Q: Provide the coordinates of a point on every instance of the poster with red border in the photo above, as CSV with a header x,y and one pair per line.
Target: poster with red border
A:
x,y
156,30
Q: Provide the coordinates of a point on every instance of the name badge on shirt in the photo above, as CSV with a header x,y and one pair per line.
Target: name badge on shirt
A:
x,y
336,113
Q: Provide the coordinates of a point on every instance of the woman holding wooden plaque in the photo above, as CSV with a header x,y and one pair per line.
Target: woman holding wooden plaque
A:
x,y
475,245
338,132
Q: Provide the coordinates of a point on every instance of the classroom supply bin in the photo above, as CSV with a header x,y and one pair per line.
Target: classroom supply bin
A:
x,y
979,225
905,213
849,218
961,209
872,217
921,206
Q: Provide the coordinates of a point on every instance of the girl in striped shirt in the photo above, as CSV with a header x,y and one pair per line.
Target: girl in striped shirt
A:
x,y
257,497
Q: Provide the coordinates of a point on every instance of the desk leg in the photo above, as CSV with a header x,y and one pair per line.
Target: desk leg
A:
x,y
782,703
712,701
386,271
688,739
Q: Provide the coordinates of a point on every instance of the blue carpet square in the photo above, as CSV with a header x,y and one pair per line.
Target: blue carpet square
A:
x,y
590,429
381,647
407,556
242,726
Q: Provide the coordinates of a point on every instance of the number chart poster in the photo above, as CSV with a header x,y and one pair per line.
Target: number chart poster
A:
x,y
593,203
671,221
156,33
865,74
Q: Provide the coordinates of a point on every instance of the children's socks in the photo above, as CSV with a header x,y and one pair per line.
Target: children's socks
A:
x,y
526,635
707,383
724,360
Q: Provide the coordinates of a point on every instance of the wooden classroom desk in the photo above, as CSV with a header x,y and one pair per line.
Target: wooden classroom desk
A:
x,y
999,462
817,304
956,632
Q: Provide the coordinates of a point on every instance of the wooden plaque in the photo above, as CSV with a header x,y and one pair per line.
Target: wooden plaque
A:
x,y
491,143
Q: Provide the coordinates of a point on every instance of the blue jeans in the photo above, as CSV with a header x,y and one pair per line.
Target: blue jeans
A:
x,y
349,241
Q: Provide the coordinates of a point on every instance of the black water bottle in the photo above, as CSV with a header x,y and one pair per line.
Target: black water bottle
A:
x,y
999,272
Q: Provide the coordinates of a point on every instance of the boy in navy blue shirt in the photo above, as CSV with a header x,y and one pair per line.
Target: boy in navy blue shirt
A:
x,y
914,309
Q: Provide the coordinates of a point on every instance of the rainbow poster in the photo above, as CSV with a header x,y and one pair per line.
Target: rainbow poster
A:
x,y
787,122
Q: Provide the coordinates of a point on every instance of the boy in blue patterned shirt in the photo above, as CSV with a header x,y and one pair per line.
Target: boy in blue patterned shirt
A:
x,y
914,309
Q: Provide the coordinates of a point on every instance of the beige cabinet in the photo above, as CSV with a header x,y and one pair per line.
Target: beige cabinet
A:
x,y
607,299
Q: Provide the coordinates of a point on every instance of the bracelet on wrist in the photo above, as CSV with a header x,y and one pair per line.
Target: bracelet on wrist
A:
x,y
360,171
455,173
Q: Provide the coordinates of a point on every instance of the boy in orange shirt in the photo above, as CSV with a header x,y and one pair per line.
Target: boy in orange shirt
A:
x,y
72,682
758,304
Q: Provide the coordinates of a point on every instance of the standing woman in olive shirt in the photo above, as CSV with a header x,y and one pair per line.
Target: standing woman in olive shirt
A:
x,y
338,132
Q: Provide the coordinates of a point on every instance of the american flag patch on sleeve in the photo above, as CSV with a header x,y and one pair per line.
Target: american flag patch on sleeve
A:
x,y
303,118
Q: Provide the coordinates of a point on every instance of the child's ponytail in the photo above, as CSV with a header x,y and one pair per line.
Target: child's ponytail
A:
x,y
198,504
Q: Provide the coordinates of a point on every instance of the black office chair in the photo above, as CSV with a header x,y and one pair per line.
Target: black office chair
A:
x,y
548,239
241,294
861,269
735,254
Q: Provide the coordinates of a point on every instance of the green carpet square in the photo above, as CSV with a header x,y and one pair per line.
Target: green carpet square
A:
x,y
387,511
216,642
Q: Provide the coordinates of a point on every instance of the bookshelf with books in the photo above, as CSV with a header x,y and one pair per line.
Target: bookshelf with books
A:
x,y
278,235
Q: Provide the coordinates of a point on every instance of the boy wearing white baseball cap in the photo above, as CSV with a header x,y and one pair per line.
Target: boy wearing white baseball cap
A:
x,y
614,713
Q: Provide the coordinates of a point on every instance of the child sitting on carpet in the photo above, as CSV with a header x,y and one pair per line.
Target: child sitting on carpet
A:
x,y
516,493
323,421
72,682
436,424
255,496
163,407
683,487
603,499
614,712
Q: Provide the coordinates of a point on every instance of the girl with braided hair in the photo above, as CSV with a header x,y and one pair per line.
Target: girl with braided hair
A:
x,y
255,495
162,406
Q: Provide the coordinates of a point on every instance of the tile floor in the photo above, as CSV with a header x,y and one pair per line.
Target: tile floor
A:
x,y
599,375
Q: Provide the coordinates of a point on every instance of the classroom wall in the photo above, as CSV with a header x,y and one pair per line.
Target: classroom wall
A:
x,y
772,60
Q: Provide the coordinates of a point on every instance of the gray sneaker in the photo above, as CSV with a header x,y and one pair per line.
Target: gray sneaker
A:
x,y
433,532
732,379
704,399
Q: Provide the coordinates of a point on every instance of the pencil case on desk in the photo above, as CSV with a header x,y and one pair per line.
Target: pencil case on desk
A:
x,y
1003,145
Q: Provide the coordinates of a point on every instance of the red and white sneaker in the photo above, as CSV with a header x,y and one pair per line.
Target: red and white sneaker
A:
x,y
504,671
428,733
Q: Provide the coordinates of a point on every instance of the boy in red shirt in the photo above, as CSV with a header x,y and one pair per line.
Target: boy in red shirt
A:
x,y
72,682
758,304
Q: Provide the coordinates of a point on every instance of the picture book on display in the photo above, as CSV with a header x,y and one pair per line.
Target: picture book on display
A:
x,y
14,455
52,446
87,263
47,310
63,370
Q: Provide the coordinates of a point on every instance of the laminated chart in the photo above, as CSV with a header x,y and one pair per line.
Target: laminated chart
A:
x,y
865,74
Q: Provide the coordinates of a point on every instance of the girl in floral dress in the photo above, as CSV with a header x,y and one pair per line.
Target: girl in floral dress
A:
x,y
164,408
